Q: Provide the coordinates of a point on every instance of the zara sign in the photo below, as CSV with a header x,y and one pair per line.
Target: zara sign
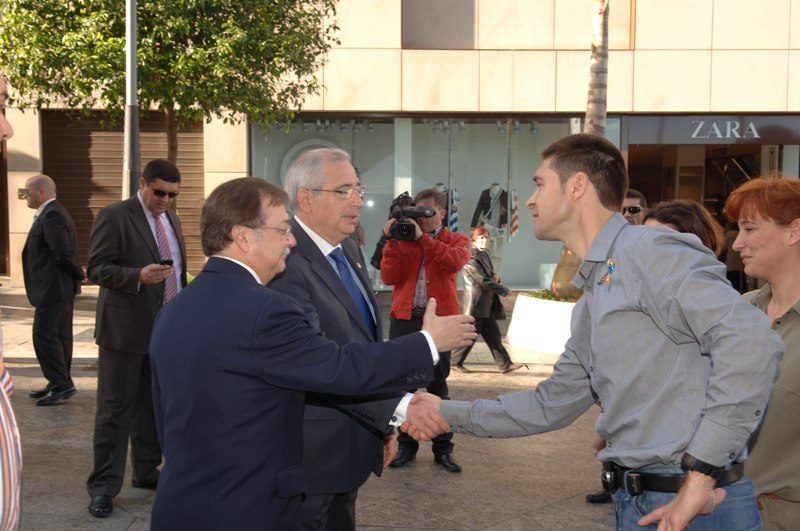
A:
x,y
783,129
729,129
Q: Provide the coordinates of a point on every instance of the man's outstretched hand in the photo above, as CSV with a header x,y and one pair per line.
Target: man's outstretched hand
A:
x,y
423,419
449,332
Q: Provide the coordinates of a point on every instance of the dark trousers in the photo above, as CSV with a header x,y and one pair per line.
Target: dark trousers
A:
x,y
442,444
52,341
124,409
330,512
488,329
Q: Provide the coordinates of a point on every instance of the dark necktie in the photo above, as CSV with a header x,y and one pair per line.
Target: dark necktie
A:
x,y
350,285
170,283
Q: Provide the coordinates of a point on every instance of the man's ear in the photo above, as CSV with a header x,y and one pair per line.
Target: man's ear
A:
x,y
304,200
577,185
239,236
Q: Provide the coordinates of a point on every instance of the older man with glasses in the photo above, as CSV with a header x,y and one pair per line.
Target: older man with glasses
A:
x,y
326,273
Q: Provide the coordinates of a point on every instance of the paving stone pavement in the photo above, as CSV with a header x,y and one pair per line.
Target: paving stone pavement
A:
x,y
531,483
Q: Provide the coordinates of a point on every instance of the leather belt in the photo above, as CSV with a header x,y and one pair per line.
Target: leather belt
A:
x,y
635,482
417,312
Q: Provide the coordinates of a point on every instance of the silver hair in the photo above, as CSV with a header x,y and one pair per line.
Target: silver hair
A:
x,y
306,171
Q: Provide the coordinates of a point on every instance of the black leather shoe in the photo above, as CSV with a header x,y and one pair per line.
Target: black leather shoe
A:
x,y
402,458
56,395
139,485
447,462
101,506
39,393
599,497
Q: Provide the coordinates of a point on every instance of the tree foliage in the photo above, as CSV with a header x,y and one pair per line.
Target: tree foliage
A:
x,y
196,58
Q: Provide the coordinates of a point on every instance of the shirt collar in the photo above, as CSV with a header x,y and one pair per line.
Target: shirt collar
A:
x,y
146,210
323,245
762,298
42,206
600,248
250,269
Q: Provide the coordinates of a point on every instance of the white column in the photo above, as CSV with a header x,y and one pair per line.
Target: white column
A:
x,y
403,156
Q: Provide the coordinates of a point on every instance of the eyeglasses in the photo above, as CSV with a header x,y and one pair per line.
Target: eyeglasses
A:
x,y
286,231
344,193
162,193
631,210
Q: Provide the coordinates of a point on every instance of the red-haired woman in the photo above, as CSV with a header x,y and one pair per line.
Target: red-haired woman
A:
x,y
768,213
482,289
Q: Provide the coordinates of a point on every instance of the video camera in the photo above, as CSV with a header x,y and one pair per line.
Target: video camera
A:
x,y
403,208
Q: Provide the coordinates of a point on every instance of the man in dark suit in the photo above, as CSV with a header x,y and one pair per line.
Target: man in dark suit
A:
x,y
53,276
137,256
340,450
231,360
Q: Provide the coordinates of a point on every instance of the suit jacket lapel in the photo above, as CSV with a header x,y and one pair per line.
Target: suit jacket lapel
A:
x,y
329,278
142,226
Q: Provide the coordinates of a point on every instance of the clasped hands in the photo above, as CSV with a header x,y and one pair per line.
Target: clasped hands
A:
x,y
423,419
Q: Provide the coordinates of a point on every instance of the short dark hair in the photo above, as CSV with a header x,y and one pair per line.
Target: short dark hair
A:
x,y
439,198
596,157
636,194
236,202
161,169
685,215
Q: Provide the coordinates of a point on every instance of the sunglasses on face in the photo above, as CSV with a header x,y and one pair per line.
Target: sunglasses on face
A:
x,y
625,210
162,193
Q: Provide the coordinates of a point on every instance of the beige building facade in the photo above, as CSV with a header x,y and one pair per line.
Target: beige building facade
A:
x,y
464,94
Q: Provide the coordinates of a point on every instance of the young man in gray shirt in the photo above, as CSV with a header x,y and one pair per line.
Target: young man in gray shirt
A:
x,y
682,366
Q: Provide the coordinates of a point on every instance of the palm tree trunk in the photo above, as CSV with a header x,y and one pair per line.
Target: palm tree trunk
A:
x,y
594,123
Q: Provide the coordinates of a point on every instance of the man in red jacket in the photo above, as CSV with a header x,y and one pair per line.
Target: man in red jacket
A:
x,y
420,270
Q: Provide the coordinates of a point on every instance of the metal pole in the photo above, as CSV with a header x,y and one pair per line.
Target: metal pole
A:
x,y
130,174
510,126
449,173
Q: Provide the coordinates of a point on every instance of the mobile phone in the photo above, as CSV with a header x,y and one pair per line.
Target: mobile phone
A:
x,y
165,261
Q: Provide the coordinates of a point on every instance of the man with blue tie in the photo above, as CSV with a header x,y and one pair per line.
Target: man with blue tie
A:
x,y
232,361
326,274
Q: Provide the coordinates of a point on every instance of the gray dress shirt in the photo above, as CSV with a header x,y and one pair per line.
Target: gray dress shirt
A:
x,y
678,360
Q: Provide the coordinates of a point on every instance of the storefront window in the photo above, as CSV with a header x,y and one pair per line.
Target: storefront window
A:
x,y
465,156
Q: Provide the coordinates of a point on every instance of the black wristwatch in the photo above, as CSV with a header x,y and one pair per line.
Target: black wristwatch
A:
x,y
692,464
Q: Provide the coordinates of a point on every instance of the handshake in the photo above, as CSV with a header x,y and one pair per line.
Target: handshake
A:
x,y
423,419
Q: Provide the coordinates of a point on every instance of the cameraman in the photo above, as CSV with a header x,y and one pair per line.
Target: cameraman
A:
x,y
424,267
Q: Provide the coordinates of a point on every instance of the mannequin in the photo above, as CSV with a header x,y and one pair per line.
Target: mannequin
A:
x,y
492,212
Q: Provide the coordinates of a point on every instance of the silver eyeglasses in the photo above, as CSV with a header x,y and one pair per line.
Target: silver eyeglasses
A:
x,y
286,231
344,193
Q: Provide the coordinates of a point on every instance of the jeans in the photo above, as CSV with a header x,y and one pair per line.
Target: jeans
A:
x,y
739,511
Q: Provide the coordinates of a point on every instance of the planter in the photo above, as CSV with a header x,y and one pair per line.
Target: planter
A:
x,y
540,325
